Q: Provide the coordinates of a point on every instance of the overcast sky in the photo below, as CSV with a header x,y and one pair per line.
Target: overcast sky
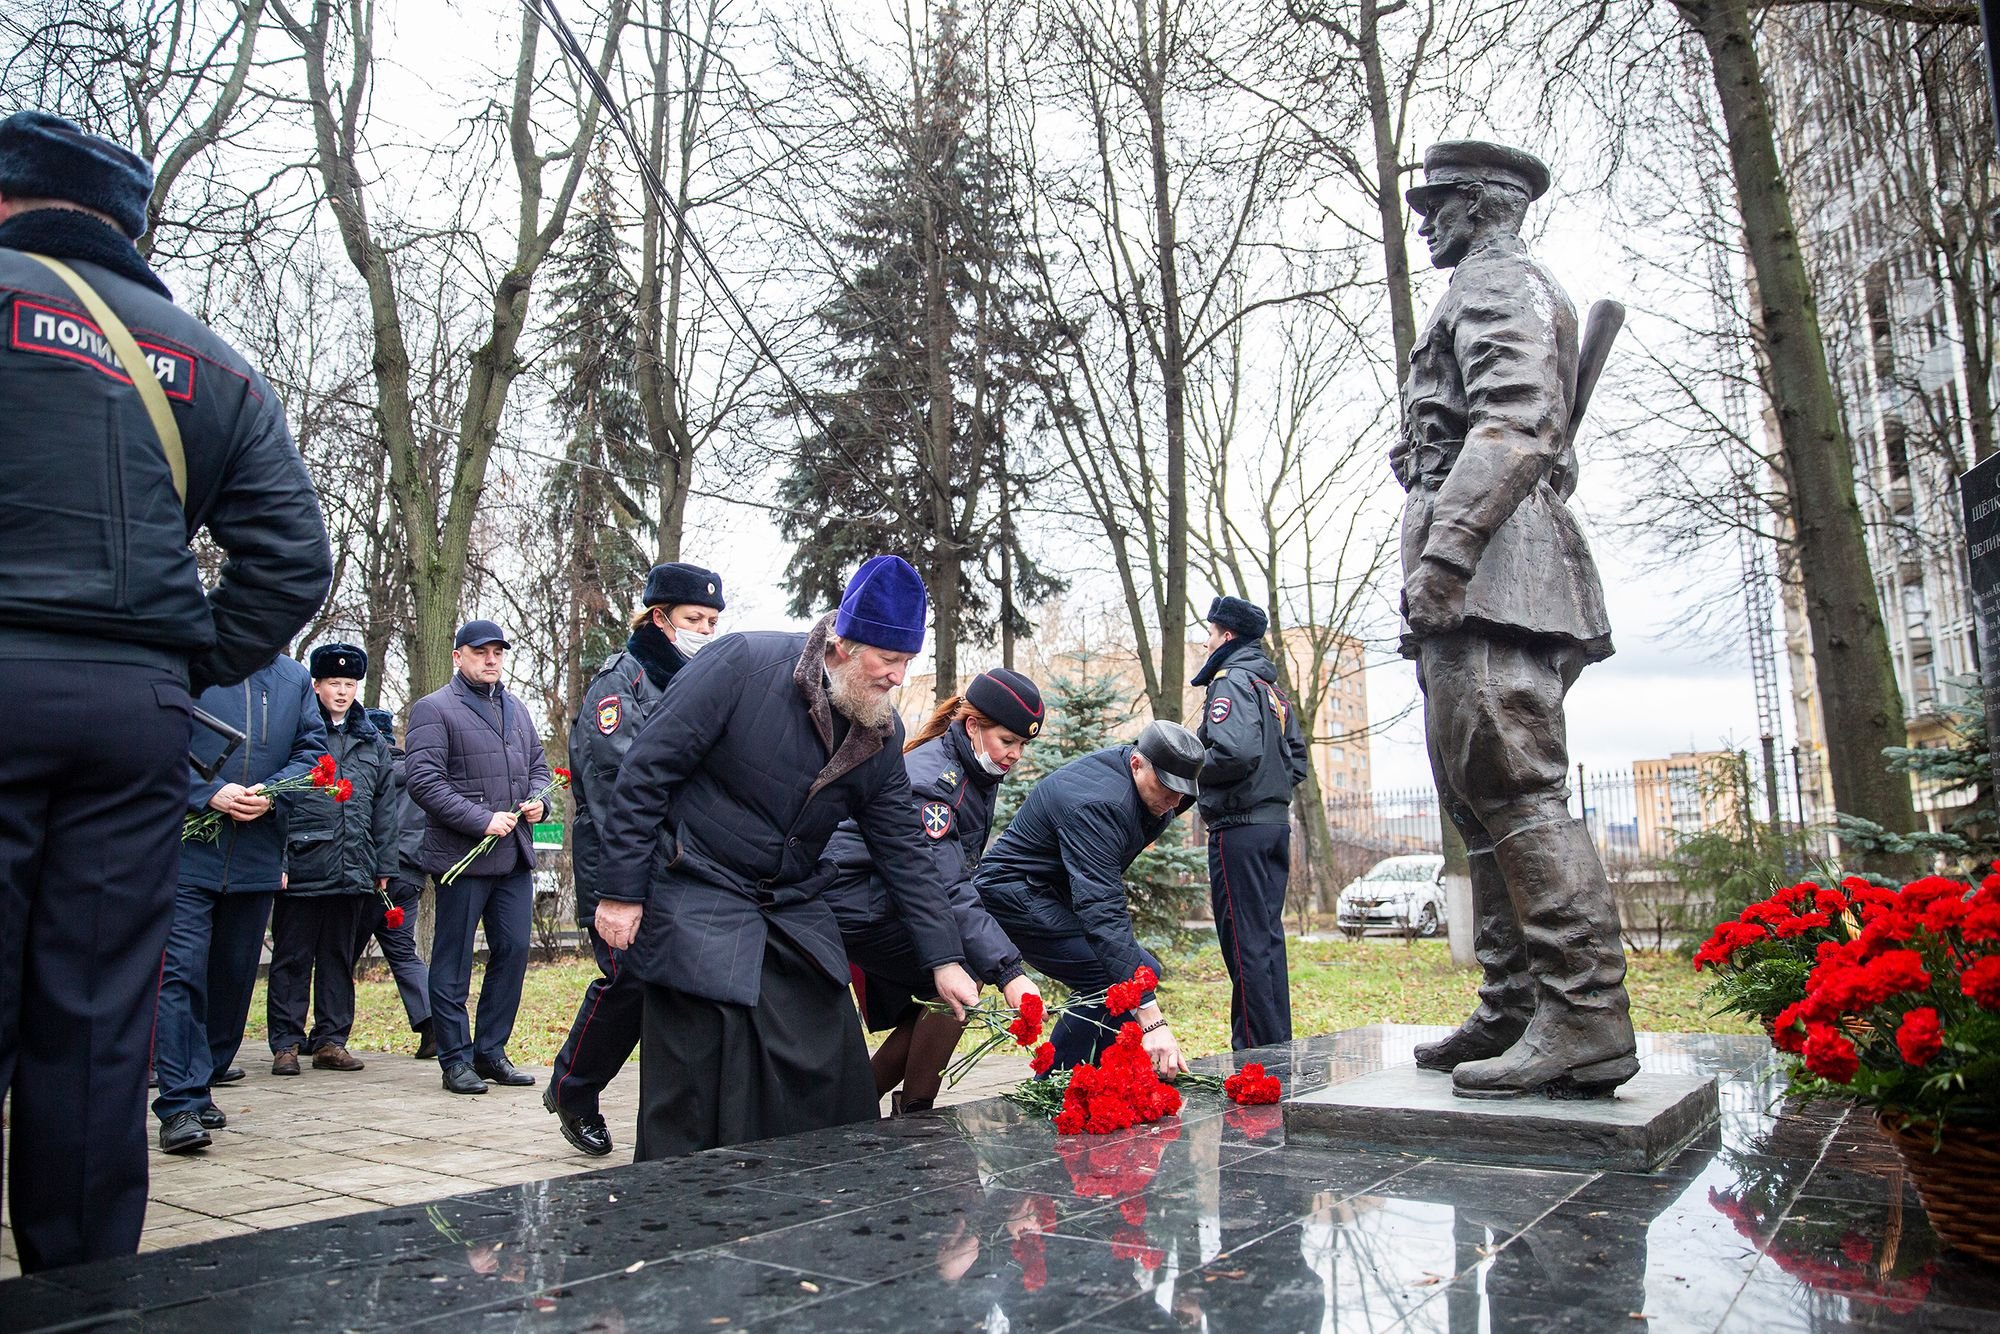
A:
x,y
1665,690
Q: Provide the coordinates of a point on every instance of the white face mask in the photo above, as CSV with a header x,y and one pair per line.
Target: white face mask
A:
x,y
690,642
987,762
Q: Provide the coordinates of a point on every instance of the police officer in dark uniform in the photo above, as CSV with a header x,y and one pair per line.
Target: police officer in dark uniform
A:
x,y
1055,880
683,605
104,629
956,762
1256,756
406,891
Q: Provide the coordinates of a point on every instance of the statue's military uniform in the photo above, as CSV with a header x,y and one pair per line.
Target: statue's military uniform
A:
x,y
1487,458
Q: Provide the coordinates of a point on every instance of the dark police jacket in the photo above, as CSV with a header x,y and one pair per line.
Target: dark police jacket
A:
x,y
469,755
342,847
620,698
1069,845
410,821
1486,456
1256,754
724,804
94,558
284,736
954,803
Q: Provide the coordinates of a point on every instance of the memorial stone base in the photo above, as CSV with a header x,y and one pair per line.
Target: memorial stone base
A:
x,y
1401,1108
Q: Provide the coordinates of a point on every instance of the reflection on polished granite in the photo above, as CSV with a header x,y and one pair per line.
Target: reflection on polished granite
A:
x,y
1787,1218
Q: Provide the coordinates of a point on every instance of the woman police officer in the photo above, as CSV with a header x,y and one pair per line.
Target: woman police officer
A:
x,y
956,762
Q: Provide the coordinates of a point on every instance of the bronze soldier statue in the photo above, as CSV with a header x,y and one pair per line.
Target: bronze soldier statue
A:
x,y
1504,610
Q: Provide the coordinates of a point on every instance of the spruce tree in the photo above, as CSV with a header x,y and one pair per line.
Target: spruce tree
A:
x,y
591,514
931,359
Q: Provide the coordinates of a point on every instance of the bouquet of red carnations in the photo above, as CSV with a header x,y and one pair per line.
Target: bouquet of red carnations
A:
x,y
206,825
479,849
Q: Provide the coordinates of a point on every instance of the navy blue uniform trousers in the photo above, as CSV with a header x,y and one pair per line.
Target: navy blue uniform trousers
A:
x,y
399,947
607,1030
205,989
93,785
1050,939
505,905
1249,866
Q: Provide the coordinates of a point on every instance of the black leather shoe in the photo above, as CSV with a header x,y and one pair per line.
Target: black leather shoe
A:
x,y
427,1047
500,1070
182,1133
229,1076
211,1118
587,1131
460,1079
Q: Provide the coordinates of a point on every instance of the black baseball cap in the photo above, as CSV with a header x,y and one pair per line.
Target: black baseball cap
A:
x,y
474,634
1176,755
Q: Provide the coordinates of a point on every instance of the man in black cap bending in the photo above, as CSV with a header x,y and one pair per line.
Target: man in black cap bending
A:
x,y
1505,609
129,426
1055,880
683,604
473,762
1256,756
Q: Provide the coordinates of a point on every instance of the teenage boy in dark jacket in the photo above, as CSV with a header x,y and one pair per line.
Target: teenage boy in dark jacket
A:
x,y
1256,756
473,762
338,854
226,887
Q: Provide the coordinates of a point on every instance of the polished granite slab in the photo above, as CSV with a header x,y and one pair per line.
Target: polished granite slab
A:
x,y
1785,1217
1652,1117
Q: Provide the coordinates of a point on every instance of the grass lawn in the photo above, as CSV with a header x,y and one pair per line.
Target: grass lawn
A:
x,y
1335,984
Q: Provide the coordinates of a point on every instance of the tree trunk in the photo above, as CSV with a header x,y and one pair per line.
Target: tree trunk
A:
x,y
1857,683
947,571
1172,608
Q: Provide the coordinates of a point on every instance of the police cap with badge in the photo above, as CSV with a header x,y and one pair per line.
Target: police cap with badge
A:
x,y
338,660
677,585
1461,162
1009,699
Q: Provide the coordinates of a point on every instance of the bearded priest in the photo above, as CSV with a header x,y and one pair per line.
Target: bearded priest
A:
x,y
758,751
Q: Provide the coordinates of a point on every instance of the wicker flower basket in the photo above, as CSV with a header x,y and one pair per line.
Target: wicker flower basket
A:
x,y
1958,1177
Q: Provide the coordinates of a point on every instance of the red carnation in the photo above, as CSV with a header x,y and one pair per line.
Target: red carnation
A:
x,y
1798,926
1787,1034
563,774
1826,901
1251,1085
1944,914
1830,1055
1069,1121
343,790
1982,982
1766,911
1122,997
1896,971
1025,1033
1032,1009
1044,1058
393,918
324,771
1982,924
1145,978
1920,1037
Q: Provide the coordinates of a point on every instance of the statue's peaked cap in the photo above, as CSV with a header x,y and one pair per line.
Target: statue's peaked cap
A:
x,y
1476,162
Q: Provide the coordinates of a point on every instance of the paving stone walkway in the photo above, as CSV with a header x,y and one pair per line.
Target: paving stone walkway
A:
x,y
328,1143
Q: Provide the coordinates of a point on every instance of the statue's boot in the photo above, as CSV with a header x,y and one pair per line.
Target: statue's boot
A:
x,y
1580,1043
1507,995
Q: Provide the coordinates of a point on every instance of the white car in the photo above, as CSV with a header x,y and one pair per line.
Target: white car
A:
x,y
1400,894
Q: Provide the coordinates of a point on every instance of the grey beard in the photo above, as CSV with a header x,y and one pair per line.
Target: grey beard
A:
x,y
851,695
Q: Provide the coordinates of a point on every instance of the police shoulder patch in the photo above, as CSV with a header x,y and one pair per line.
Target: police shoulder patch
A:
x,y
947,779
1219,710
937,819
608,716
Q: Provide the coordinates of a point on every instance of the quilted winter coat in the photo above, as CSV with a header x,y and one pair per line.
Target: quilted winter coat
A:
x,y
468,755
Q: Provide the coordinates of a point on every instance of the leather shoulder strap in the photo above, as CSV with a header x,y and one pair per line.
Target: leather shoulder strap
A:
x,y
136,368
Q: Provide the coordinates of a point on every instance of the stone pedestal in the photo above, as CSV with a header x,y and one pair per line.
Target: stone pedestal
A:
x,y
1651,1118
